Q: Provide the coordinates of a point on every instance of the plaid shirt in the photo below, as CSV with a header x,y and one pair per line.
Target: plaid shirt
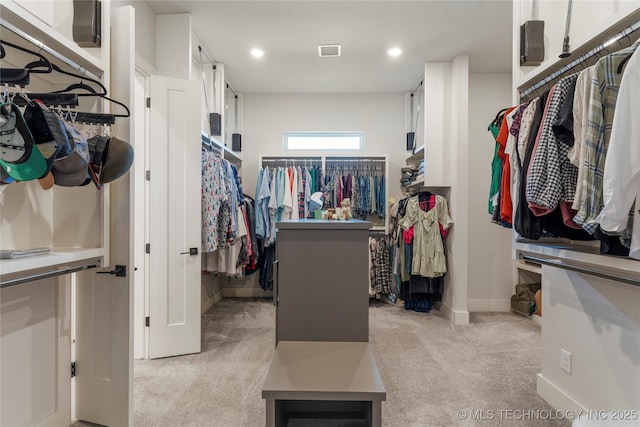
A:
x,y
552,177
602,103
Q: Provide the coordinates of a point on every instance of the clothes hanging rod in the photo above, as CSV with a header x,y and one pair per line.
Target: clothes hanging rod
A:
x,y
577,269
231,89
417,87
590,54
347,160
69,270
49,50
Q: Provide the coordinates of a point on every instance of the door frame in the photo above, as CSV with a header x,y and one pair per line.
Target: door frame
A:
x,y
141,223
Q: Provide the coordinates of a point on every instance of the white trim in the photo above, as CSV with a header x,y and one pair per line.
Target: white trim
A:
x,y
555,397
288,134
455,317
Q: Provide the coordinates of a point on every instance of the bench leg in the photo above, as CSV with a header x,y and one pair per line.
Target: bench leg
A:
x,y
376,416
271,413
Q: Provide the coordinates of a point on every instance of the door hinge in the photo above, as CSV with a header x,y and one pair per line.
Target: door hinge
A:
x,y
73,369
147,321
148,175
147,248
148,102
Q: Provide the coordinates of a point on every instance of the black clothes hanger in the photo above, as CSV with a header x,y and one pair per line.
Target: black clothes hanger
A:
x,y
32,67
498,119
80,85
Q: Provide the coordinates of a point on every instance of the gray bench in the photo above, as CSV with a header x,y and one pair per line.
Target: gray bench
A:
x,y
323,384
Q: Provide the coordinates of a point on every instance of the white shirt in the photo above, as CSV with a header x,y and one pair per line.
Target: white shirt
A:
x,y
621,181
288,200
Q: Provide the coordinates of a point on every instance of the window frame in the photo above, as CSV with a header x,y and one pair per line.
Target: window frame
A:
x,y
358,134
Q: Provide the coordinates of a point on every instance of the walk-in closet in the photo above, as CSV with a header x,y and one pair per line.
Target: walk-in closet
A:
x,y
319,213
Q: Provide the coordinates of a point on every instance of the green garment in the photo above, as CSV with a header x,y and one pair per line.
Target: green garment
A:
x,y
496,170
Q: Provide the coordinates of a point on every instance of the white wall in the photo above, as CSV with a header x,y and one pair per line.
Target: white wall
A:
x,y
145,28
268,116
489,246
586,15
598,322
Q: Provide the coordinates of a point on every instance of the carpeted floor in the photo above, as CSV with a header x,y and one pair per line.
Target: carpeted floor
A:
x,y
430,368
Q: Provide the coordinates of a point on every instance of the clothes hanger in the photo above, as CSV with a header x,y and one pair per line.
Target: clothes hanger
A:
x,y
32,66
626,58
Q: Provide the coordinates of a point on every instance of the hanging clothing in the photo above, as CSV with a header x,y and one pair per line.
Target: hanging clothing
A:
x,y
605,86
287,201
553,177
428,258
215,203
580,119
621,180
295,212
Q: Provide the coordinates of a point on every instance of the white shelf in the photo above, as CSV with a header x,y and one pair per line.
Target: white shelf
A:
x,y
232,156
416,156
523,265
608,29
12,12
58,257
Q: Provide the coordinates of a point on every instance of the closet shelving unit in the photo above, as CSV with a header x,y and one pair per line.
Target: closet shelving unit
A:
x,y
414,157
65,319
589,300
225,152
73,222
586,53
264,159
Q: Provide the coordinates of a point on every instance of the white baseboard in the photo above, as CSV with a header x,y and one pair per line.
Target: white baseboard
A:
x,y
246,293
555,397
492,305
457,317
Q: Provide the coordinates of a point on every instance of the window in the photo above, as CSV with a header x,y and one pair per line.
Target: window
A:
x,y
323,140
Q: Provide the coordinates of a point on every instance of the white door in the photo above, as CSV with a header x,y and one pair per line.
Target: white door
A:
x,y
174,218
104,303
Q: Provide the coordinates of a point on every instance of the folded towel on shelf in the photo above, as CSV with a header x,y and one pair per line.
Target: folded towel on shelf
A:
x,y
22,253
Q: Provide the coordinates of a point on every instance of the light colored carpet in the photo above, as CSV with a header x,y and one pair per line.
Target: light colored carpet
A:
x,y
430,368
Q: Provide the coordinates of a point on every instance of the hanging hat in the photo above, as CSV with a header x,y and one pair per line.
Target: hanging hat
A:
x,y
110,159
119,158
71,171
50,136
17,155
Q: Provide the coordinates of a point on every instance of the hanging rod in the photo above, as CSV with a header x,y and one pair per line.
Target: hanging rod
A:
x,y
417,86
49,50
596,273
231,89
355,160
590,54
69,270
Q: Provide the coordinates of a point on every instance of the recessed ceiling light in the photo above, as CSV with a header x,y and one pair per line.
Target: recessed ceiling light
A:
x,y
257,53
394,51
329,50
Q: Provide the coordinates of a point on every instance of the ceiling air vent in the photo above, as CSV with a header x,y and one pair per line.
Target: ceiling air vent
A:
x,y
328,50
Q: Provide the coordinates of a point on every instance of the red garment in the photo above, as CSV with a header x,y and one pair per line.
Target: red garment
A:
x,y
407,235
506,205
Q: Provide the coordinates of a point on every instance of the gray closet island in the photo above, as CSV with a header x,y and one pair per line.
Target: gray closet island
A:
x,y
323,367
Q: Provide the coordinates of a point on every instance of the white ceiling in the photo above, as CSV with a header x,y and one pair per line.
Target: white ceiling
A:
x,y
290,31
